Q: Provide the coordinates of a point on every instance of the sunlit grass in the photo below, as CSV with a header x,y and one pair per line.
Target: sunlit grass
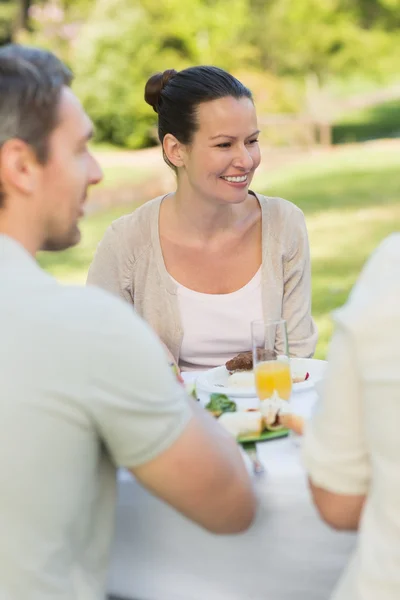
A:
x,y
351,202
380,121
119,175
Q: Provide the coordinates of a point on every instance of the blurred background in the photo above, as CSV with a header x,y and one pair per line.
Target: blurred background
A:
x,y
325,75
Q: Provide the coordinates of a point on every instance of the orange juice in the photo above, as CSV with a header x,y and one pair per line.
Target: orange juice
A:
x,y
273,376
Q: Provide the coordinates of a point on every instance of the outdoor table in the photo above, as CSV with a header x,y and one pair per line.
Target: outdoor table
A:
x,y
287,554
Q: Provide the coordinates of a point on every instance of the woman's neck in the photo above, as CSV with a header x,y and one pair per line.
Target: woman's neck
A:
x,y
205,218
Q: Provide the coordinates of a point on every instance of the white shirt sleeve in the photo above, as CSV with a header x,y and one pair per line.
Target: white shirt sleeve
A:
x,y
335,450
137,406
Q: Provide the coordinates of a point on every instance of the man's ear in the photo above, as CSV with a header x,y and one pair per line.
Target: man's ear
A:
x,y
174,150
18,166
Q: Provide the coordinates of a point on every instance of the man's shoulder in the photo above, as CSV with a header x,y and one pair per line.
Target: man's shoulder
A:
x,y
381,272
374,297
386,256
88,310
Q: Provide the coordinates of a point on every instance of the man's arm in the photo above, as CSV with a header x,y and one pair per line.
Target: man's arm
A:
x,y
340,511
151,427
202,475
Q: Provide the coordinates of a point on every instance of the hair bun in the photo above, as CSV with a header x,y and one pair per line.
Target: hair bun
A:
x,y
155,85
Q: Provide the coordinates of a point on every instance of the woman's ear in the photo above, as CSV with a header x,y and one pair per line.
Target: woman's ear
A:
x,y
173,150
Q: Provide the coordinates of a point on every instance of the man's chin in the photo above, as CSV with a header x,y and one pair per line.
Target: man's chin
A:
x,y
59,243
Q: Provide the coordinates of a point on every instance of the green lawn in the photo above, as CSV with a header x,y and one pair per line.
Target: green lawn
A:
x,y
351,201
380,121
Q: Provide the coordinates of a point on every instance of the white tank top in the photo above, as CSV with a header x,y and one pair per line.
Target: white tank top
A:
x,y
217,326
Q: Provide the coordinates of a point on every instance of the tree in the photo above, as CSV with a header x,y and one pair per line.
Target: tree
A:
x,y
22,21
325,37
8,15
124,42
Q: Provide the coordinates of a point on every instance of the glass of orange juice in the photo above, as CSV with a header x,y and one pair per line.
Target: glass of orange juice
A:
x,y
271,364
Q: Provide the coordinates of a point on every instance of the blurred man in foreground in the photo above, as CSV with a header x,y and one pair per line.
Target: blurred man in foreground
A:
x,y
85,385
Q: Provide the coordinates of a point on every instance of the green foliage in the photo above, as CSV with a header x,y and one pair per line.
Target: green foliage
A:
x,y
326,37
124,42
111,60
272,46
282,49
8,14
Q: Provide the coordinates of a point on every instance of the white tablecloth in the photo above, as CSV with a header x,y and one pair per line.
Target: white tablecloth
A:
x,y
288,553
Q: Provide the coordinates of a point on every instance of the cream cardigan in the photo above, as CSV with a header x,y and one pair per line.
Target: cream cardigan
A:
x,y
129,263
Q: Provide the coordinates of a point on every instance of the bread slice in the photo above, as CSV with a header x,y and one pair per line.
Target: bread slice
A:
x,y
243,423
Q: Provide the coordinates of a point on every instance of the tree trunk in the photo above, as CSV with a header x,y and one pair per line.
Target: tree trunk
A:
x,y
22,21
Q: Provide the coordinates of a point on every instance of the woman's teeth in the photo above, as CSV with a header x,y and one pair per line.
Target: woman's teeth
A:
x,y
241,179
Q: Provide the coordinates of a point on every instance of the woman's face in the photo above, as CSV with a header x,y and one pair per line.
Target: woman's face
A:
x,y
220,162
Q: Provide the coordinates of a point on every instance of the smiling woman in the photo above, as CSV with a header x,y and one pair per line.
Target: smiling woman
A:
x,y
199,264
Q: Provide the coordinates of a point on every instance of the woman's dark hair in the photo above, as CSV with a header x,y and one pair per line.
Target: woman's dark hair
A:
x,y
175,97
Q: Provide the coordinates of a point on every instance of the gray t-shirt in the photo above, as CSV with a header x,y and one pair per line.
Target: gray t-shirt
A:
x,y
85,387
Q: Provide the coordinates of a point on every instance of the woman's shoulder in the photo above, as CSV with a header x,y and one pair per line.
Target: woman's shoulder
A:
x,y
139,218
134,230
282,220
279,207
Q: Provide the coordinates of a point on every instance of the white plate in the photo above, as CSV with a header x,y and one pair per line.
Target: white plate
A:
x,y
300,366
216,380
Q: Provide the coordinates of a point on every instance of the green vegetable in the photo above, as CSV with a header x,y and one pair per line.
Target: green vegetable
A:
x,y
220,403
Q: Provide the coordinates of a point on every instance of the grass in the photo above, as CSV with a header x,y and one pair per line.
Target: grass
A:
x,y
351,200
381,121
118,175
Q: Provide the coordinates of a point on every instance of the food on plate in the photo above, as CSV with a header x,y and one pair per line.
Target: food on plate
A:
x,y
241,379
244,360
240,368
219,404
240,362
293,422
300,378
250,423
243,423
271,415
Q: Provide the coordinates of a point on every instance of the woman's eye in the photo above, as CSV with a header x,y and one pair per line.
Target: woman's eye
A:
x,y
253,141
224,145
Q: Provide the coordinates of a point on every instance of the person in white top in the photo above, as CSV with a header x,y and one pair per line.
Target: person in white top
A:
x,y
85,384
352,445
213,324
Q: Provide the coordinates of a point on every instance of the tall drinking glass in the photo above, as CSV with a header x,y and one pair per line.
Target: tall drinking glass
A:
x,y
271,365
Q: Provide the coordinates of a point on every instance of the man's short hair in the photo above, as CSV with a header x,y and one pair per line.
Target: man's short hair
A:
x,y
31,81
